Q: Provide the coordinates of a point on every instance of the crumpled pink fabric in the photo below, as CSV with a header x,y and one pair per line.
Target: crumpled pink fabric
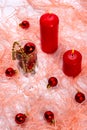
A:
x,y
28,93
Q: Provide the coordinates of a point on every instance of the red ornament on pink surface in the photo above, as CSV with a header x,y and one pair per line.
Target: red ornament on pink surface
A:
x,y
72,63
52,82
24,24
10,72
49,32
26,56
79,97
49,116
20,118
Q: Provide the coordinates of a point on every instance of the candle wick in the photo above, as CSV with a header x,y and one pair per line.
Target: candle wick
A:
x,y
72,52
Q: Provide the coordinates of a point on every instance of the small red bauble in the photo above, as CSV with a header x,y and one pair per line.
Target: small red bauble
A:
x,y
20,118
52,81
10,72
49,116
30,65
79,97
25,24
29,48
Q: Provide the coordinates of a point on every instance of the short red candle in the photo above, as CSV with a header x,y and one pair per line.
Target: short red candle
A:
x,y
72,63
49,32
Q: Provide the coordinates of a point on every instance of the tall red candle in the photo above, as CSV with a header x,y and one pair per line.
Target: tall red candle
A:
x,y
49,32
72,63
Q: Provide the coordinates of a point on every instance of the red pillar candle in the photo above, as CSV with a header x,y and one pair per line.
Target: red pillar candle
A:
x,y
49,32
72,63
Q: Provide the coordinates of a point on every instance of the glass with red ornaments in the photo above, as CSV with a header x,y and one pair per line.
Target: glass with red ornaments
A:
x,y
26,55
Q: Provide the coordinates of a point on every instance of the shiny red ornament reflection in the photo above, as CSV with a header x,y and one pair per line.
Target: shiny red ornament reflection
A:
x,y
52,81
20,118
10,72
24,24
49,116
26,56
79,97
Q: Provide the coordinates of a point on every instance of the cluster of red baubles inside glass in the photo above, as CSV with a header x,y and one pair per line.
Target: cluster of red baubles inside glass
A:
x,y
28,49
24,24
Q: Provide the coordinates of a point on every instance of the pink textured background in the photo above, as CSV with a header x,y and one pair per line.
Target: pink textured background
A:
x,y
28,94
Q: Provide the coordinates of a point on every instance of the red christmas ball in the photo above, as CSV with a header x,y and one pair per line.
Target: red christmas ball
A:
x,y
20,118
49,116
30,65
10,72
79,97
52,81
25,24
29,48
